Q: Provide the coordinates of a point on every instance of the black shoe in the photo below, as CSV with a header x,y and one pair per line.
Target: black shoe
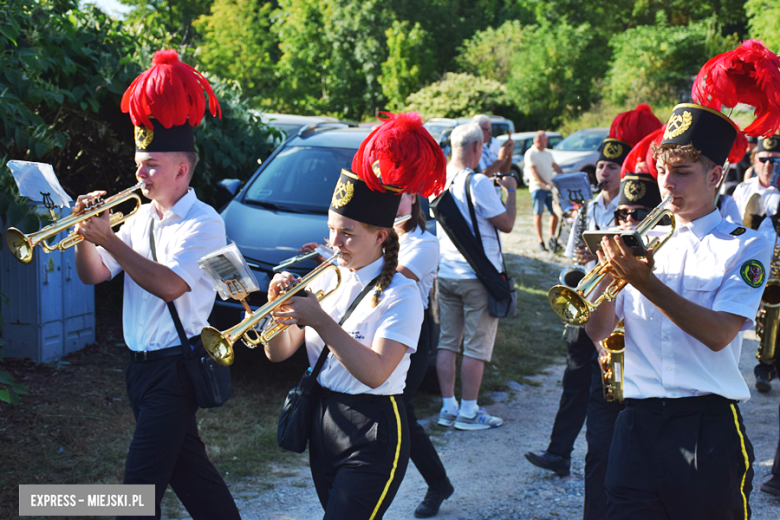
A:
x,y
771,486
555,463
555,247
541,247
433,498
762,383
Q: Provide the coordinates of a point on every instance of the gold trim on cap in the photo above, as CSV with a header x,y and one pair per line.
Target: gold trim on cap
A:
x,y
143,137
678,124
708,109
342,194
634,190
353,176
612,149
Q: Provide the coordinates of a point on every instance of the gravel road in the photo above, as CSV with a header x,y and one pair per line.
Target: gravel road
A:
x,y
492,479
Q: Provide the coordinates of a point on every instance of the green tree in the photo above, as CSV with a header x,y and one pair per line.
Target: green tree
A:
x,y
764,20
462,95
175,17
409,63
553,72
237,42
489,53
655,64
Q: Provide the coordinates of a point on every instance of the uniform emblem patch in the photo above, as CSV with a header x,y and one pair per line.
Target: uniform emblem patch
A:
x,y
342,194
612,150
678,125
753,273
634,190
738,231
143,137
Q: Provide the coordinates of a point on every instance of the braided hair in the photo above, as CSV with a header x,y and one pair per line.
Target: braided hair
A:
x,y
390,246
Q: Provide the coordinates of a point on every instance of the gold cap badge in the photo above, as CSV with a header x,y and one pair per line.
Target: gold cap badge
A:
x,y
143,137
342,194
678,124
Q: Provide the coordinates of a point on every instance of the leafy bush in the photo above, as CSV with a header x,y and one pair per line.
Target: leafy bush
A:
x,y
489,53
763,20
409,63
462,95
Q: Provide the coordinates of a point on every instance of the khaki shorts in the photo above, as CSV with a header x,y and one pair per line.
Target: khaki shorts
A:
x,y
463,311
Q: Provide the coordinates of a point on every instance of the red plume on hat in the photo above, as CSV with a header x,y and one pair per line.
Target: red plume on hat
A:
x,y
749,74
408,156
171,92
640,158
632,126
739,148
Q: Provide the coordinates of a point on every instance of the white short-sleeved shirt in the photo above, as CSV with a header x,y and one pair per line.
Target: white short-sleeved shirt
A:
x,y
770,195
489,155
729,210
487,204
420,254
601,216
187,232
542,161
707,262
767,230
397,317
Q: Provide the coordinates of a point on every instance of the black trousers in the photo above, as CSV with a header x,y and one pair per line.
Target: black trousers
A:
x,y
422,451
166,448
573,407
602,416
685,458
358,450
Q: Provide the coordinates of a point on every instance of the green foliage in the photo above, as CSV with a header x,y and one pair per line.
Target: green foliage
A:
x,y
602,114
552,74
173,17
764,20
462,95
489,53
655,64
409,63
238,42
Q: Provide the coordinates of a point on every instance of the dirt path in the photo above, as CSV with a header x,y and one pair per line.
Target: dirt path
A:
x,y
492,479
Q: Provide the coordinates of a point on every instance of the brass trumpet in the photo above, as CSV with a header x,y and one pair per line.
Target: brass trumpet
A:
x,y
611,361
219,345
572,305
22,245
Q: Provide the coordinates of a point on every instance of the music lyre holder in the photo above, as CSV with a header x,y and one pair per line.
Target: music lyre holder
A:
x,y
237,291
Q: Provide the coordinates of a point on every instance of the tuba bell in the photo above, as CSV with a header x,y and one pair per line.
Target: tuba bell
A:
x,y
219,345
572,305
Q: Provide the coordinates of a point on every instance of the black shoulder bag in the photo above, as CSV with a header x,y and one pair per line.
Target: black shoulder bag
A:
x,y
295,419
210,380
498,308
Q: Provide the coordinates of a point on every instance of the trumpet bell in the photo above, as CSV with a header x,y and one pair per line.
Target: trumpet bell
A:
x,y
21,246
217,346
569,305
573,275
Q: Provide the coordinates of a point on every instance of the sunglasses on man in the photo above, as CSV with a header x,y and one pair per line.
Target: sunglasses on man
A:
x,y
775,160
639,214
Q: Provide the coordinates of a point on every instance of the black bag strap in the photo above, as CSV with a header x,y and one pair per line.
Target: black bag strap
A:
x,y
325,350
472,211
185,342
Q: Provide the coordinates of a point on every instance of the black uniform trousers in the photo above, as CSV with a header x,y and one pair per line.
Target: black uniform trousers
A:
x,y
422,451
686,459
600,427
166,448
573,407
358,451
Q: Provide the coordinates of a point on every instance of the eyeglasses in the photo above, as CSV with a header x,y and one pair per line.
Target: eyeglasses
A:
x,y
638,214
765,159
488,130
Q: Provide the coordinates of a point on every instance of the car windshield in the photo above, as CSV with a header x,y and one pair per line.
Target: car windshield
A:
x,y
288,128
436,129
300,179
583,141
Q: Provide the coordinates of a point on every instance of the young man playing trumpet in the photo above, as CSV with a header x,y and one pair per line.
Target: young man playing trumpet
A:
x,y
679,448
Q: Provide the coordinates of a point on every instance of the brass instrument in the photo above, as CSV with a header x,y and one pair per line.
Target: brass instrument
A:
x,y
754,212
768,319
219,345
572,305
612,363
22,245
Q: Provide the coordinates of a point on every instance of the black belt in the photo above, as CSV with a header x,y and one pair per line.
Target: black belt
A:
x,y
151,355
682,404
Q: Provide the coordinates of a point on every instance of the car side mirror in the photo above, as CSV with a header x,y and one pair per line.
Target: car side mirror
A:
x,y
226,190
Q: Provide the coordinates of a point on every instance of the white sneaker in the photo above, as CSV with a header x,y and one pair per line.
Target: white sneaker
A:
x,y
481,421
446,419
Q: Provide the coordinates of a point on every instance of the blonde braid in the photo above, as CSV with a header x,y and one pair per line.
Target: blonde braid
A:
x,y
391,247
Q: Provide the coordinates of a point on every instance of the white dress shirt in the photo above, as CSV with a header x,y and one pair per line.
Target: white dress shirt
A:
x,y
397,317
187,232
601,216
770,195
420,254
487,204
702,263
729,209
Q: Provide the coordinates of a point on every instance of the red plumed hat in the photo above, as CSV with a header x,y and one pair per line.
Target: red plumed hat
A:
x,y
640,158
749,74
632,126
171,92
401,153
739,149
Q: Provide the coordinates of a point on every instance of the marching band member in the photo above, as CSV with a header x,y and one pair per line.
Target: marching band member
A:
x,y
166,448
679,448
359,443
638,196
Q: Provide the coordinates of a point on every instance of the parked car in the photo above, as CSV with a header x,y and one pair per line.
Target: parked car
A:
x,y
285,205
523,141
441,128
291,124
579,152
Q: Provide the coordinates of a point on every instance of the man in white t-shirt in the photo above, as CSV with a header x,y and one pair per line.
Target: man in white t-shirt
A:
x,y
495,159
463,300
541,168
761,183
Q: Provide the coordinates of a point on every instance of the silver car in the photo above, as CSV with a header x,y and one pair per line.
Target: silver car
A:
x,y
580,151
